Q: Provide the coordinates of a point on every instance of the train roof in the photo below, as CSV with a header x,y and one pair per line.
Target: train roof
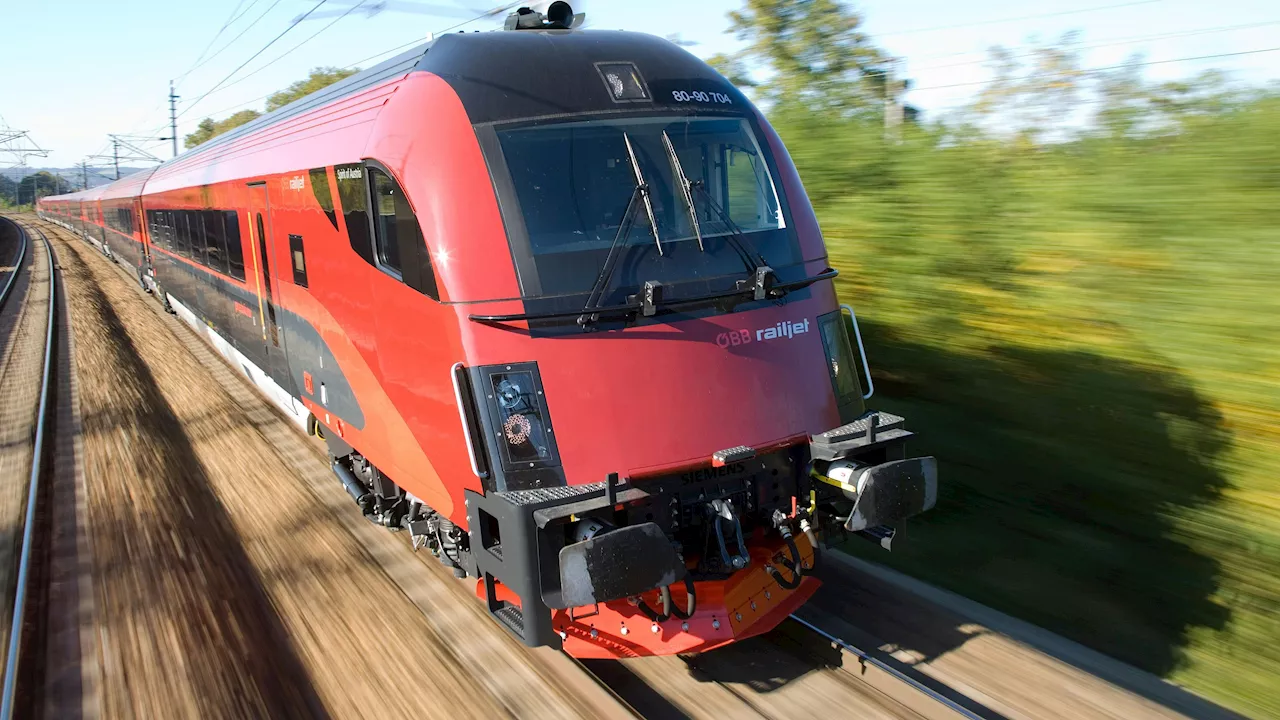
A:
x,y
503,75
128,186
499,76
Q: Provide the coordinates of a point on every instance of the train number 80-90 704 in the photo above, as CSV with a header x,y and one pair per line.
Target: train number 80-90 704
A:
x,y
685,96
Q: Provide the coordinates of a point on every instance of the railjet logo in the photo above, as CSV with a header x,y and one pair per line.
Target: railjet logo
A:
x,y
786,330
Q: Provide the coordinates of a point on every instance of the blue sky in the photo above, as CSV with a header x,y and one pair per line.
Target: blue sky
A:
x,y
76,70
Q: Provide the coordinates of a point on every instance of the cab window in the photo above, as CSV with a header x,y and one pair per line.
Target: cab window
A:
x,y
398,241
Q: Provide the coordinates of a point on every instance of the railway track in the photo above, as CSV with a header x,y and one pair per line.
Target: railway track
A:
x,y
29,305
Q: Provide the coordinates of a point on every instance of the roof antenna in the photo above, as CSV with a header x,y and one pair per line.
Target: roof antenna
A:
x,y
559,16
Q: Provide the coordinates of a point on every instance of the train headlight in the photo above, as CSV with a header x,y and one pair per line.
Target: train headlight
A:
x,y
516,420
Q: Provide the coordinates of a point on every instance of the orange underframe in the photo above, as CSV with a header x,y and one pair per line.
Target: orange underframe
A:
x,y
749,603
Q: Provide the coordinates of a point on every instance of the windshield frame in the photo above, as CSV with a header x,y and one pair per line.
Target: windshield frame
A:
x,y
514,221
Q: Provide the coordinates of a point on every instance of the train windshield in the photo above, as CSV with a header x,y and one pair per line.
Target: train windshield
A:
x,y
576,186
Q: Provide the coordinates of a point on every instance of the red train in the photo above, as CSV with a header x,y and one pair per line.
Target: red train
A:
x,y
558,304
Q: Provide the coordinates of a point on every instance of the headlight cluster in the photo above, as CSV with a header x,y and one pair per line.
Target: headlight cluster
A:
x,y
519,440
524,425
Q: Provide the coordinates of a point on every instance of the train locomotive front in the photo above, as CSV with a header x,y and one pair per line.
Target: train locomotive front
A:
x,y
660,402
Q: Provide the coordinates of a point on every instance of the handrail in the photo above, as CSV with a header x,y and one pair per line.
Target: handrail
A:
x,y
862,352
466,423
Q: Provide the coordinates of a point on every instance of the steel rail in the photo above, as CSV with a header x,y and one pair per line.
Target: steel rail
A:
x,y
28,530
893,672
17,265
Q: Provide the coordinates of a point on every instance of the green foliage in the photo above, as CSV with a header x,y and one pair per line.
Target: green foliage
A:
x,y
36,185
1081,324
1084,333
319,79
209,128
818,56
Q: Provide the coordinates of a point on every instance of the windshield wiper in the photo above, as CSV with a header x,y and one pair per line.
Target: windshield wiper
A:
x,y
686,188
643,188
586,317
762,276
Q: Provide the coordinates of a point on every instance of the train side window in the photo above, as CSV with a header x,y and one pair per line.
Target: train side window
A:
x,y
299,259
168,232
199,241
235,248
215,241
181,236
385,196
355,208
320,189
176,236
397,236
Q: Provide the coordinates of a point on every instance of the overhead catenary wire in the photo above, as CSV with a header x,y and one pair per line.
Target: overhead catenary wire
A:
x,y
232,17
286,53
416,41
201,60
233,40
263,49
376,56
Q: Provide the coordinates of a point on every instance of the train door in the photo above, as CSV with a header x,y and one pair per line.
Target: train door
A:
x,y
144,245
273,343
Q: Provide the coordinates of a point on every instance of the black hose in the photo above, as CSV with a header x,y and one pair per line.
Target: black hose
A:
x,y
794,565
668,608
691,601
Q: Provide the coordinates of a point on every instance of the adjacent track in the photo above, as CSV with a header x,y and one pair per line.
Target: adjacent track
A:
x,y
870,664
27,559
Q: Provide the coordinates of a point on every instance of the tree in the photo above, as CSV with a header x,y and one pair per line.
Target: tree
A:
x,y
1032,93
31,187
814,53
8,190
319,79
209,128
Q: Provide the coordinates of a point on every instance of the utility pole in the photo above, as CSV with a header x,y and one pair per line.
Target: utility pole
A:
x,y
173,118
115,154
893,109
84,175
